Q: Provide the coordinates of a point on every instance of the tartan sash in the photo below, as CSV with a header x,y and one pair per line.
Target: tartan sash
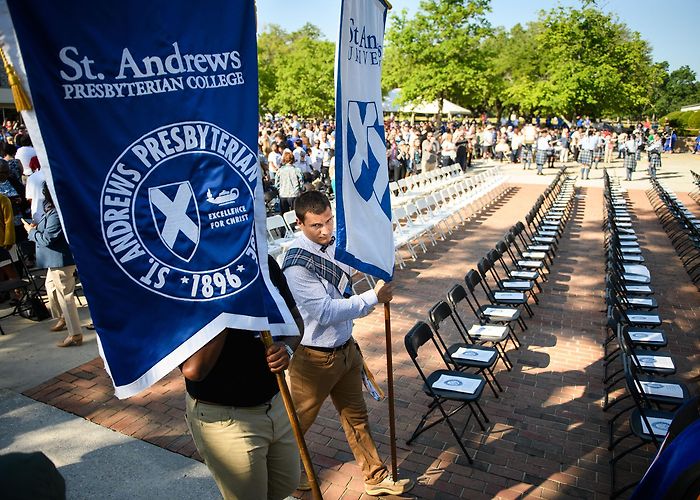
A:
x,y
323,268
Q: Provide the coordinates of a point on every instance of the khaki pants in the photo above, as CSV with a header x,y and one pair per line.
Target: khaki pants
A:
x,y
314,376
251,452
60,287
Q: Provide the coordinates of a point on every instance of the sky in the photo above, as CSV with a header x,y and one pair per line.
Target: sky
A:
x,y
668,26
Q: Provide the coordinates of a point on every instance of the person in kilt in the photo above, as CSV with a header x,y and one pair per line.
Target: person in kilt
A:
x,y
630,161
543,148
529,139
526,156
599,150
585,156
640,144
552,142
654,151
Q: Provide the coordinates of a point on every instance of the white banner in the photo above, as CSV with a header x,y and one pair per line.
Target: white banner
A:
x,y
363,206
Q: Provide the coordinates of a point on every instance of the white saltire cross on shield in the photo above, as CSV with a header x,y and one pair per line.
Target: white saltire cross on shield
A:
x,y
171,218
367,153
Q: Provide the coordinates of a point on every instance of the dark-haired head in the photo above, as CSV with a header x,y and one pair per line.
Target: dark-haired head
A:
x,y
23,140
8,149
311,201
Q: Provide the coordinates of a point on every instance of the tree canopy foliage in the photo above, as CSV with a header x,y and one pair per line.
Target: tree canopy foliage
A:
x,y
296,71
568,62
436,54
678,88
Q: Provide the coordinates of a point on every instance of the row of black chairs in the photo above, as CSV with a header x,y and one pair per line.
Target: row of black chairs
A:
x,y
635,370
485,311
681,225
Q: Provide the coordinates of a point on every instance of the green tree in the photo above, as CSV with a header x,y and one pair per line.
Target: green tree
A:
x,y
272,51
437,54
595,65
512,63
678,88
296,71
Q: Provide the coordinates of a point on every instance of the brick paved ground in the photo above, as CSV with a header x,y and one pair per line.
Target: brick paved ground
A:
x,y
547,436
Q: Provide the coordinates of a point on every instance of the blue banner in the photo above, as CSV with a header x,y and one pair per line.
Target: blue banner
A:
x,y
145,115
363,206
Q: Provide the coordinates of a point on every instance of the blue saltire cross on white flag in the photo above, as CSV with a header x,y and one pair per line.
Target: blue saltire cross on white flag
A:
x,y
363,207
145,117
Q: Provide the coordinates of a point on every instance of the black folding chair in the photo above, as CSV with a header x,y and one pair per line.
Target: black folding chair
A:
x,y
513,250
661,393
678,465
528,286
491,312
514,271
647,424
501,296
35,275
640,337
463,355
533,249
481,333
465,395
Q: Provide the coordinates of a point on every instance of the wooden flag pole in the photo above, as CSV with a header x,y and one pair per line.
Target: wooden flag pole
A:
x,y
294,420
390,371
390,384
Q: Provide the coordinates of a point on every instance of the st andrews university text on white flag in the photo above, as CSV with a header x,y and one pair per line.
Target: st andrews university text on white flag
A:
x,y
363,207
145,115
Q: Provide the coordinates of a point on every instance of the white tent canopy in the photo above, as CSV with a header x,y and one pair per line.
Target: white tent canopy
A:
x,y
390,105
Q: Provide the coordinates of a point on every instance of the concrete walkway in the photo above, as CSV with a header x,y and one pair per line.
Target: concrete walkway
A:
x,y
545,439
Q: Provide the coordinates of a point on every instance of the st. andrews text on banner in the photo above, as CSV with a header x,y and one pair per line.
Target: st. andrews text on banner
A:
x,y
146,118
363,208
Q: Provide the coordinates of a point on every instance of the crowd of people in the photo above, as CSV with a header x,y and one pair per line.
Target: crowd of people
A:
x,y
298,156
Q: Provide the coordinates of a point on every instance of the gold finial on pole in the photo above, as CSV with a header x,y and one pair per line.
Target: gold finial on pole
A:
x,y
22,102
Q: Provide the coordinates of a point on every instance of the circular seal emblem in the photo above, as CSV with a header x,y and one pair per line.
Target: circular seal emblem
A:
x,y
177,212
661,426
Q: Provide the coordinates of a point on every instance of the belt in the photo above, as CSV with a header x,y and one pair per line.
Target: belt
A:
x,y
329,349
211,403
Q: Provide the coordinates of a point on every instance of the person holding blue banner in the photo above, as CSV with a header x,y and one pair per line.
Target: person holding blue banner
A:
x,y
329,362
235,412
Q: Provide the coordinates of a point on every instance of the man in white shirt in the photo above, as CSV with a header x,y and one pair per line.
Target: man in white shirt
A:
x,y
543,149
328,362
588,143
274,161
316,157
300,159
654,151
487,142
630,161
